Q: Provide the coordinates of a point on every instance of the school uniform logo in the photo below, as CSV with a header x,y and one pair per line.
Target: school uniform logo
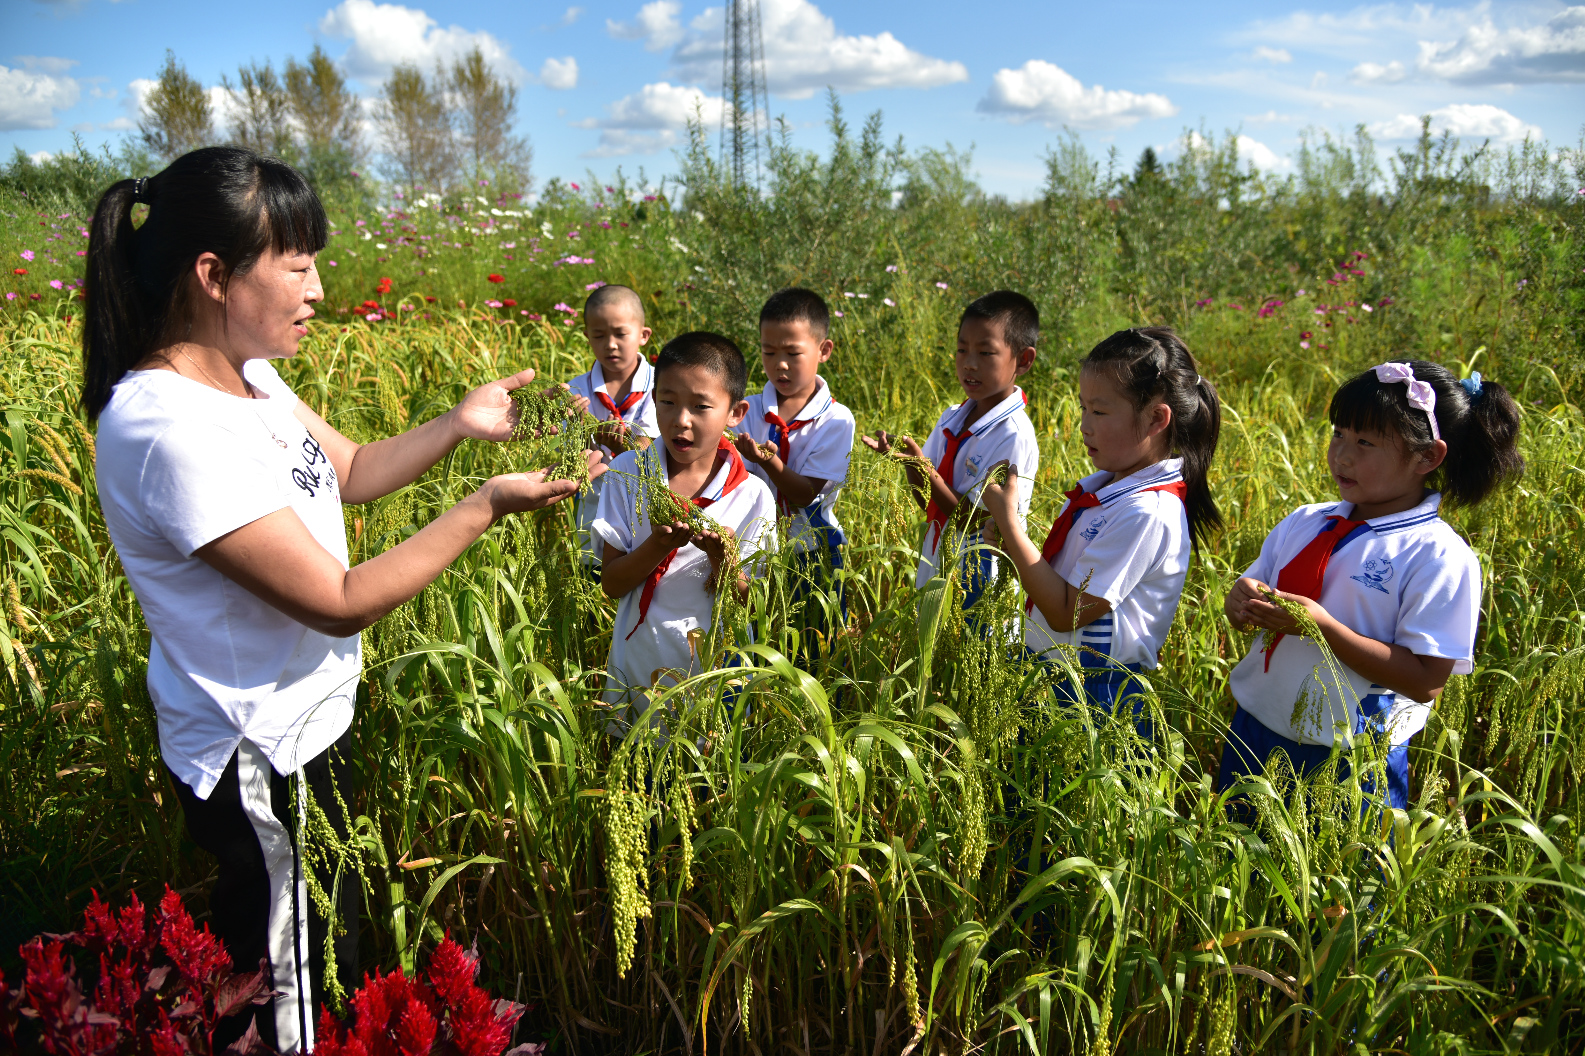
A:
x,y
972,464
1376,573
1093,530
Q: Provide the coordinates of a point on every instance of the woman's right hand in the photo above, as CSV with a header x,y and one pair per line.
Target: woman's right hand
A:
x,y
522,492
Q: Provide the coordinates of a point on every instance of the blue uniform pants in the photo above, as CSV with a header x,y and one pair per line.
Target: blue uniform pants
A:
x,y
1250,744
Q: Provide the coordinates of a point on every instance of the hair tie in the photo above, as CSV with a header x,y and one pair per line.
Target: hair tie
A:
x,y
138,193
1473,386
1421,394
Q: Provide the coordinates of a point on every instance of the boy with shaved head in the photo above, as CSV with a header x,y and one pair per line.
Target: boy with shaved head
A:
x,y
618,390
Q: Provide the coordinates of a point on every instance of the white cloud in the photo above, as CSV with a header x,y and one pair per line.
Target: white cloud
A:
x,y
47,63
569,16
1270,117
1486,54
651,118
1361,29
656,25
1273,55
30,98
384,35
1261,156
1375,73
559,74
1041,91
804,54
39,157
1466,120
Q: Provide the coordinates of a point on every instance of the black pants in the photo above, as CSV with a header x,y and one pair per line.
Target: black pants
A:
x,y
260,907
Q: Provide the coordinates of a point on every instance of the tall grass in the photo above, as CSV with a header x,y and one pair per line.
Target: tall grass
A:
x,y
906,843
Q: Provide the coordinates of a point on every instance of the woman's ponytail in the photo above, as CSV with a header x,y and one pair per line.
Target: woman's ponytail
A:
x,y
1478,419
228,201
115,324
1152,364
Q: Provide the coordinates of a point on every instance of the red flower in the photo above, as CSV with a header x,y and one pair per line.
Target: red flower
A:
x,y
497,278
384,286
360,310
508,302
429,300
19,271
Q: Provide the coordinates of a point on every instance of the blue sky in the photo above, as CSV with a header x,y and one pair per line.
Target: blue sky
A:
x,y
608,84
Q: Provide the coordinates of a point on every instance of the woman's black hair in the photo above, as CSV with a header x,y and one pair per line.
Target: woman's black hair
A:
x,y
1478,419
1152,364
228,201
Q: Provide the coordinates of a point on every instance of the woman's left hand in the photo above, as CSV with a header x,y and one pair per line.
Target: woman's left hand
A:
x,y
487,412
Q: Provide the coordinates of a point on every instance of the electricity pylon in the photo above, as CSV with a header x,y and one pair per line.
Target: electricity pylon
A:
x,y
745,109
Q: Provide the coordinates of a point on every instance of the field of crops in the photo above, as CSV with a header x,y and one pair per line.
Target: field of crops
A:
x,y
905,845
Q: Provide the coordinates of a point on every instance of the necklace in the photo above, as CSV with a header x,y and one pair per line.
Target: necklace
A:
x,y
278,441
199,367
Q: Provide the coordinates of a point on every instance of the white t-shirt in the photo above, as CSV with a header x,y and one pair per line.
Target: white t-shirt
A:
x,y
820,449
180,464
641,416
681,603
1407,579
1133,549
1004,432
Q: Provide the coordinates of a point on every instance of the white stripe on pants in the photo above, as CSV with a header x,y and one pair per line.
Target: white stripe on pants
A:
x,y
288,926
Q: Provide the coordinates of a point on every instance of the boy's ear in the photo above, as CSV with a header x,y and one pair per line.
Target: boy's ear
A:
x,y
1026,360
643,335
738,413
826,348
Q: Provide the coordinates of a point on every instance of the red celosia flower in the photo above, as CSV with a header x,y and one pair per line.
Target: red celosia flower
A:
x,y
198,955
497,278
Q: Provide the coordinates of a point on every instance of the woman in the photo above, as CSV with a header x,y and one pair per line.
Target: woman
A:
x,y
222,493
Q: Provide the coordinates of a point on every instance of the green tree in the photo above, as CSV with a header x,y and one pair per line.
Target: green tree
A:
x,y
262,120
178,117
415,128
326,116
484,108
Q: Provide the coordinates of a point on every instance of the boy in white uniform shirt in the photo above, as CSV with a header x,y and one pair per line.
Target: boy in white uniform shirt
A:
x,y
617,390
1391,586
996,346
666,576
1108,579
807,436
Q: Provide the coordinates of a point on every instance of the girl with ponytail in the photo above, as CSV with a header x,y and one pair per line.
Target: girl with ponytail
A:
x,y
1390,585
1108,579
222,493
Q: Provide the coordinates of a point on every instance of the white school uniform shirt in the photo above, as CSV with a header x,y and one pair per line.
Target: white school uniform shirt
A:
x,y
820,449
1133,550
1004,432
1407,579
641,416
681,603
179,465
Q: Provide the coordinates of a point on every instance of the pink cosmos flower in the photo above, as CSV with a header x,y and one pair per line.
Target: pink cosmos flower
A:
x,y
837,314
574,186
55,284
941,285
594,285
493,303
888,302
1304,344
891,267
27,254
